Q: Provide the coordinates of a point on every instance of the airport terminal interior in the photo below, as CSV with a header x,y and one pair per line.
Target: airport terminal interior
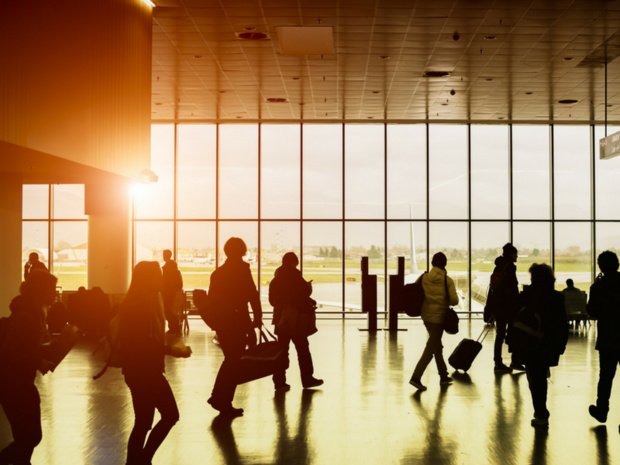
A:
x,y
349,132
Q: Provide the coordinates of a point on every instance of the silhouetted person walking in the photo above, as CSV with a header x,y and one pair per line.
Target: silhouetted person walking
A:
x,y
289,289
503,299
542,308
439,294
172,283
21,355
142,334
232,288
604,305
32,264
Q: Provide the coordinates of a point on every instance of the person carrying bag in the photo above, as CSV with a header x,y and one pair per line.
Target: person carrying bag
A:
x,y
439,294
294,317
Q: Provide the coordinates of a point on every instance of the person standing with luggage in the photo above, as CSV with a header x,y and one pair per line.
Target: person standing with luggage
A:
x,y
172,284
141,329
439,293
289,289
232,288
604,305
21,355
503,300
539,335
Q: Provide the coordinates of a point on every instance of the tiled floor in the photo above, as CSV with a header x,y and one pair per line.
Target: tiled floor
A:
x,y
366,413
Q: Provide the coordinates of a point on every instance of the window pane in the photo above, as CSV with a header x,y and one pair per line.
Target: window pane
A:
x,y
69,201
35,201
533,241
407,239
606,183
571,146
322,171
246,230
448,171
573,255
489,172
280,164
196,253
607,238
364,179
406,187
196,171
238,171
487,240
451,239
363,239
322,263
152,237
71,253
156,199
35,239
277,238
531,172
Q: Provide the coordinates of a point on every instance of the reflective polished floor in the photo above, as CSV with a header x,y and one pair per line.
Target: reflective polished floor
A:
x,y
365,413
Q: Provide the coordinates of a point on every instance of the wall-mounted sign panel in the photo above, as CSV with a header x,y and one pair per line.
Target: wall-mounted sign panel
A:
x,y
610,146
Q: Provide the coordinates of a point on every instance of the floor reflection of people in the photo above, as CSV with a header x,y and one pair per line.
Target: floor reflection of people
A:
x,y
221,427
436,448
539,449
504,440
602,446
296,449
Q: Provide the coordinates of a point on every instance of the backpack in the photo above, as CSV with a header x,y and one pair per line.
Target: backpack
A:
x,y
110,347
497,277
206,309
526,334
412,297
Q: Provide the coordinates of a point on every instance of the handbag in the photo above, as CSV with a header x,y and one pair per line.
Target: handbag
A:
x,y
294,322
264,359
450,319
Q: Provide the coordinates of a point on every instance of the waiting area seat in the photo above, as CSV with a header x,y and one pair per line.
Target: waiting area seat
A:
x,y
575,302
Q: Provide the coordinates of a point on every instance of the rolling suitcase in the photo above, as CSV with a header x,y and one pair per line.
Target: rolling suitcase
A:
x,y
467,350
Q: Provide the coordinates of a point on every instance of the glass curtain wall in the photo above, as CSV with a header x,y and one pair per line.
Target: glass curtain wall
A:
x,y
334,193
55,227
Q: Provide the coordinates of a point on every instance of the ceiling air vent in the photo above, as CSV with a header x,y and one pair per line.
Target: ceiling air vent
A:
x,y
277,100
567,101
436,74
252,36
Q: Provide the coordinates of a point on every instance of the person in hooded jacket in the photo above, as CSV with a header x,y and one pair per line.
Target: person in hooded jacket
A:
x,y
172,283
439,294
21,355
288,287
142,351
604,305
548,303
503,299
231,289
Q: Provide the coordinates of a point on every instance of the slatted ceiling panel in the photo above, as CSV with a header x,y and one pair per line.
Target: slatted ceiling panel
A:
x,y
531,40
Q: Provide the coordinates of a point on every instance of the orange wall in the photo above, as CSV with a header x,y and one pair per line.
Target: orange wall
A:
x,y
75,81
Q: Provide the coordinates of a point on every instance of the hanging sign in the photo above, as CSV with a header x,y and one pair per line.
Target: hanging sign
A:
x,y
610,146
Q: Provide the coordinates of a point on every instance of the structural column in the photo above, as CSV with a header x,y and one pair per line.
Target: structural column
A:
x,y
108,206
10,240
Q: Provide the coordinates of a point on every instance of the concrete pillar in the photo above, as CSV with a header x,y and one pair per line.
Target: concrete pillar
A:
x,y
108,206
10,240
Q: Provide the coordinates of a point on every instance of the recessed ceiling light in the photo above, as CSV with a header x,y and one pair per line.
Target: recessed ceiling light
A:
x,y
444,104
239,117
249,28
301,104
490,37
222,91
296,78
567,58
610,105
529,93
252,36
370,117
500,117
157,103
376,91
384,57
436,74
198,57
567,101
488,79
277,100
